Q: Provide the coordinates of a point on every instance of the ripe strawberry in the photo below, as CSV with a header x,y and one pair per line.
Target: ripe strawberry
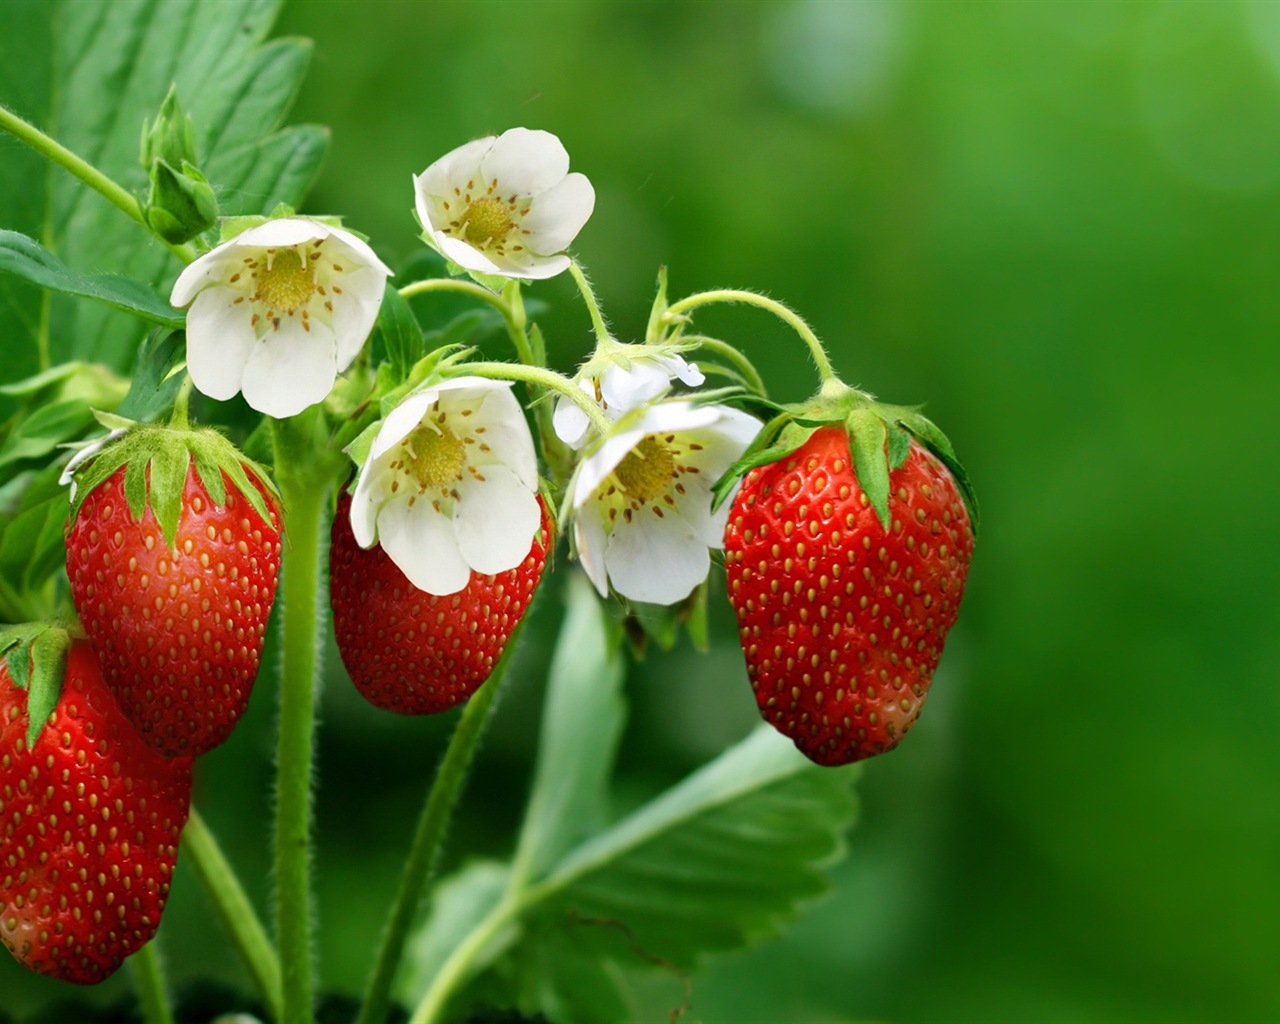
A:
x,y
842,621
175,590
89,825
412,652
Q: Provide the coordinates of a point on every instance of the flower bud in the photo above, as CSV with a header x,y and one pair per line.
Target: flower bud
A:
x,y
180,204
171,137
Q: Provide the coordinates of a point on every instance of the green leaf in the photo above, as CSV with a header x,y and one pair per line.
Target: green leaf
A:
x,y
716,863
25,258
581,727
116,63
401,334
48,667
33,512
37,435
154,385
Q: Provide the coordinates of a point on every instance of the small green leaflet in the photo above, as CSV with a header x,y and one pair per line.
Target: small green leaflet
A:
x,y
25,258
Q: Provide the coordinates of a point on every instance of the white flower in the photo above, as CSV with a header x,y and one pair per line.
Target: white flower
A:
x,y
450,485
506,206
642,500
278,312
619,389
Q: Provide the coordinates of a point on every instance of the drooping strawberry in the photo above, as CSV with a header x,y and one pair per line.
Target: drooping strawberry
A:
x,y
173,552
90,818
846,566
416,653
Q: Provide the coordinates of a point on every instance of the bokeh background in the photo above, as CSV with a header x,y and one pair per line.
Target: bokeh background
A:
x,y
1058,224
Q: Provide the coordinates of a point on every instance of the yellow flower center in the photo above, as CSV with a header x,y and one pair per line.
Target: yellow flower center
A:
x,y
287,283
432,459
646,472
487,220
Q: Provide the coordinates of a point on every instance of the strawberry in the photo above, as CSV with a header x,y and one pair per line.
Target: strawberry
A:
x,y
412,652
89,824
173,552
844,597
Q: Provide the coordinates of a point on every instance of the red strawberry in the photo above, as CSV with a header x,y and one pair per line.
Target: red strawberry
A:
x,y
176,611
842,621
412,652
89,824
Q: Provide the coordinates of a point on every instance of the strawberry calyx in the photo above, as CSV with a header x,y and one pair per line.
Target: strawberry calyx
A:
x,y
156,460
880,437
35,653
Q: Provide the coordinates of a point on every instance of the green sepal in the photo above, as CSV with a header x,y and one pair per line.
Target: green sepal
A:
x,y
657,314
776,440
928,434
156,462
36,656
866,430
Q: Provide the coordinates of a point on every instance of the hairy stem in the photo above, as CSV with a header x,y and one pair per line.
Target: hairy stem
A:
x,y
234,909
549,379
427,841
603,338
57,153
148,980
778,309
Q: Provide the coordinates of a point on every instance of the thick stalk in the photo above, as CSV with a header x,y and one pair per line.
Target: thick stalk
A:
x,y
55,152
300,590
148,980
236,912
306,471
427,841
785,313
512,312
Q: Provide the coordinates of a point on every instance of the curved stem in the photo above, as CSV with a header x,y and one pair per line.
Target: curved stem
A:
x,y
236,912
782,312
148,979
603,338
427,841
54,151
741,363
549,379
512,311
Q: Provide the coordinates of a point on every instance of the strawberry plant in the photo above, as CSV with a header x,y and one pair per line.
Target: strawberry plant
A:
x,y
220,384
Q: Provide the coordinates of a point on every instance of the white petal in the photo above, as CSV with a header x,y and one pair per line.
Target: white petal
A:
x,y
556,216
569,422
623,390
592,470
495,520
507,435
535,268
589,539
353,248
452,170
401,421
214,267
356,310
466,255
525,162
653,559
423,545
283,231
219,342
290,369
688,373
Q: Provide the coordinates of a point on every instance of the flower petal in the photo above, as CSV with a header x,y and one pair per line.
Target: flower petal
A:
x,y
213,268
590,541
557,215
495,520
524,162
623,390
656,559
356,310
424,547
592,470
454,169
220,340
401,421
290,369
569,422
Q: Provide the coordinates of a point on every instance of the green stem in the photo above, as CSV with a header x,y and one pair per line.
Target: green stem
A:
x,y
549,379
741,363
306,472
603,338
148,979
233,907
782,312
55,152
427,841
512,311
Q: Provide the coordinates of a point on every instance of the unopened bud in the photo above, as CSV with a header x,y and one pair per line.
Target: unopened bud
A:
x,y
180,204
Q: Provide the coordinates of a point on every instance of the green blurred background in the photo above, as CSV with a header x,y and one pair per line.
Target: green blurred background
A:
x,y
1059,225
